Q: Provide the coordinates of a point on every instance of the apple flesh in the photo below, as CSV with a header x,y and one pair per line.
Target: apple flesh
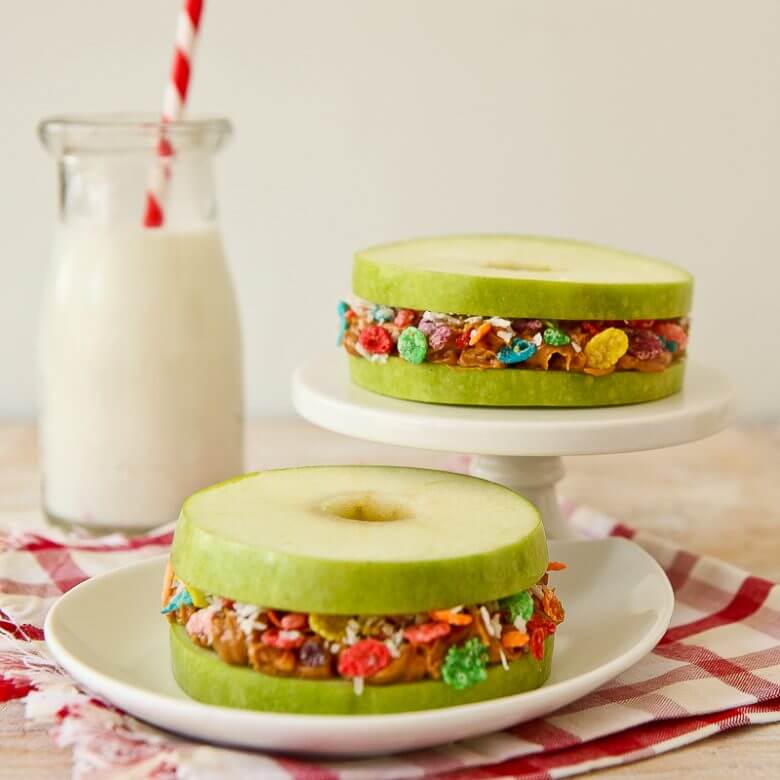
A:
x,y
443,384
359,540
521,276
202,675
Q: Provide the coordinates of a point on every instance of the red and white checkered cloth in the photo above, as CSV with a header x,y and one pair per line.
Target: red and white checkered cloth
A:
x,y
717,668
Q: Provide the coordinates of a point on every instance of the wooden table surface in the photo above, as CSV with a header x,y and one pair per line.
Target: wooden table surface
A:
x,y
719,496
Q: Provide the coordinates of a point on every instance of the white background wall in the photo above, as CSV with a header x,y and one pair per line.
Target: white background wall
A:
x,y
652,126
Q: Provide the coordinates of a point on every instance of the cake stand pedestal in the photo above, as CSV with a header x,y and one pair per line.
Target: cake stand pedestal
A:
x,y
516,447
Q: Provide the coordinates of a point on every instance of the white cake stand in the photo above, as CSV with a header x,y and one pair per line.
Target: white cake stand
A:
x,y
520,448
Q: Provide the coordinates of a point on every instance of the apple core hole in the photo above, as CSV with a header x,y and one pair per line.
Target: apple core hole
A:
x,y
513,265
368,507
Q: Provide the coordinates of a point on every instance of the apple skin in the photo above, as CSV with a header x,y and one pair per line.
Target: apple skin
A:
x,y
204,555
436,286
443,384
202,675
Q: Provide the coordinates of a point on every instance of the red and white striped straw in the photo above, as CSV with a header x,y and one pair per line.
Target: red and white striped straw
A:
x,y
174,102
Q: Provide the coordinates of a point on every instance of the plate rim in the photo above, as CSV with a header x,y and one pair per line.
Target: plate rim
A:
x,y
84,673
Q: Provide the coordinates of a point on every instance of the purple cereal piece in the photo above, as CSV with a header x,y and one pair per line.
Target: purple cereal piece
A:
x,y
440,337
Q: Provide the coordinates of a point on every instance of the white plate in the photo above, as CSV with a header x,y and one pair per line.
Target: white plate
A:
x,y
109,635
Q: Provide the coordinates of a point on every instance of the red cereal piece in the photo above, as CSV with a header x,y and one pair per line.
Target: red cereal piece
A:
x,y
281,639
294,621
462,339
671,331
364,659
537,644
645,345
376,340
426,632
404,318
540,622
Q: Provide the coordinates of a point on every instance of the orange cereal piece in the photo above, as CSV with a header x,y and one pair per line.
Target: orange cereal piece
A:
x,y
167,587
513,639
453,618
552,606
555,566
478,333
274,618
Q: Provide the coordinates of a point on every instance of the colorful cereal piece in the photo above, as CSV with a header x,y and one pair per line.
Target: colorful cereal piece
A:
x,y
312,653
537,644
330,627
478,333
404,318
556,566
180,599
552,606
343,309
198,597
440,336
465,665
451,617
364,659
462,339
555,337
528,326
200,624
412,345
518,605
167,584
382,314
640,323
606,348
294,621
672,334
376,340
514,639
645,345
426,632
281,639
519,351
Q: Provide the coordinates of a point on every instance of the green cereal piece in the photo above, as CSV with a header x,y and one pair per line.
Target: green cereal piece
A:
x,y
555,337
466,665
518,605
413,345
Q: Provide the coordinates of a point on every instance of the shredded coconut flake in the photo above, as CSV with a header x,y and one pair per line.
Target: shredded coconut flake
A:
x,y
575,346
505,335
393,649
357,686
537,339
504,662
519,624
335,647
485,615
500,322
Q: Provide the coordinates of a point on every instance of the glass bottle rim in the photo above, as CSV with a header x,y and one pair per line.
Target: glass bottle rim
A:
x,y
106,133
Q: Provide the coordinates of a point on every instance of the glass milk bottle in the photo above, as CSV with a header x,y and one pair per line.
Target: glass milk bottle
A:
x,y
141,397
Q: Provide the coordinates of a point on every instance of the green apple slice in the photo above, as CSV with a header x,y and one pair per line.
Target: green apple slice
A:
x,y
202,675
348,540
521,276
443,384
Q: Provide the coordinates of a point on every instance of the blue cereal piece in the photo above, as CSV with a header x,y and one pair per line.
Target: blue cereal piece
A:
x,y
518,351
181,599
343,309
382,314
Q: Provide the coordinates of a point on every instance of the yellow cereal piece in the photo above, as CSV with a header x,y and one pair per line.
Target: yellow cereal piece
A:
x,y
606,348
330,627
198,596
